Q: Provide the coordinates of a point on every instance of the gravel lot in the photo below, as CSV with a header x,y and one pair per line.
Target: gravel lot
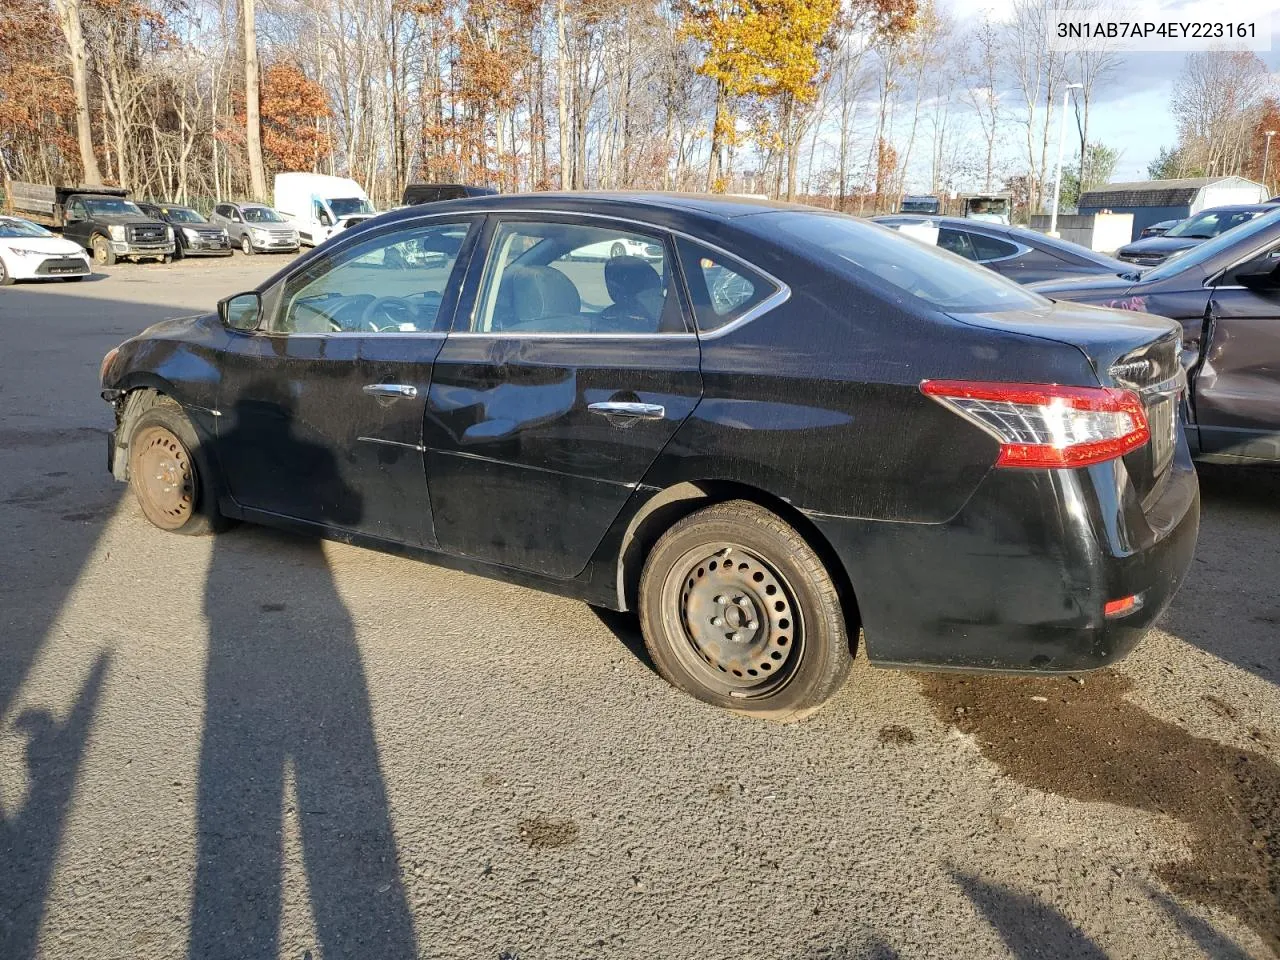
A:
x,y
257,745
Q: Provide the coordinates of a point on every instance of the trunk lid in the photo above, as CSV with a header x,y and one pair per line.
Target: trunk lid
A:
x,y
1135,351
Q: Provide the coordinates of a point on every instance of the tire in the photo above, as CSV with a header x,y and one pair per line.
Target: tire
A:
x,y
246,245
169,471
178,253
617,250
103,255
6,278
767,638
167,258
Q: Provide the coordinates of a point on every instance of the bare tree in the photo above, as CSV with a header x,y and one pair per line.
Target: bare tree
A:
x,y
69,21
252,121
982,92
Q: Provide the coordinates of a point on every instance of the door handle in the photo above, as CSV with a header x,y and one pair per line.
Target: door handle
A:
x,y
623,408
393,390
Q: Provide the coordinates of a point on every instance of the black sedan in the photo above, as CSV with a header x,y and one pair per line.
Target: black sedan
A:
x,y
194,234
1226,295
790,429
1020,254
1205,225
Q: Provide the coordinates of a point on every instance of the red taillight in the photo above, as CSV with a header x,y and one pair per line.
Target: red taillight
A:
x,y
1047,425
1122,606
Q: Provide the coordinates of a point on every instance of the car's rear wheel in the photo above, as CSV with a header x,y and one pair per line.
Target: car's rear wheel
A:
x,y
246,246
738,610
168,472
102,252
617,250
6,278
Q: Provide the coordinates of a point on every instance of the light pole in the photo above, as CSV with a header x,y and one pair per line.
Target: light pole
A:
x,y
1062,142
1266,155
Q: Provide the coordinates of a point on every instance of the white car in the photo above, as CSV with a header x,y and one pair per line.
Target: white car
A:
x,y
621,246
30,252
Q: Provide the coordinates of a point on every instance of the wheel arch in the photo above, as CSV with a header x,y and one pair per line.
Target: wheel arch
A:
x,y
135,391
672,504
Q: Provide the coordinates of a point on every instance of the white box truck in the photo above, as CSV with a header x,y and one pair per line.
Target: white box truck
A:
x,y
319,205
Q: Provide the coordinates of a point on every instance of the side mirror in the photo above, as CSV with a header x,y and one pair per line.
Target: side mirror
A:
x,y
325,220
241,312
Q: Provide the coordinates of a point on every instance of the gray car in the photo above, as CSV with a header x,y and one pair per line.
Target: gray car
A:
x,y
255,227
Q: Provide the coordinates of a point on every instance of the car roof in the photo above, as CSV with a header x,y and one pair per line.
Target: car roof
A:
x,y
1236,208
650,205
1023,234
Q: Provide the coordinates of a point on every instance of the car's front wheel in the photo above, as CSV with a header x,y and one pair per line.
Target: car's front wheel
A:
x,y
6,278
167,472
738,610
246,245
102,252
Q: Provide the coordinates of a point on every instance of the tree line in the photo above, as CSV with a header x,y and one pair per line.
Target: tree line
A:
x,y
841,102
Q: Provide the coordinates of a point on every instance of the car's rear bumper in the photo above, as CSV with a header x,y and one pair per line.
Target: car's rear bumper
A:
x,y
1018,579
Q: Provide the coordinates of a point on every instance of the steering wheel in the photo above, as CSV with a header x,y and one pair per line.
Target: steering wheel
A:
x,y
393,312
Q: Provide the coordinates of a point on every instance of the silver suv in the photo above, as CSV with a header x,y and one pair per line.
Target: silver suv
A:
x,y
256,228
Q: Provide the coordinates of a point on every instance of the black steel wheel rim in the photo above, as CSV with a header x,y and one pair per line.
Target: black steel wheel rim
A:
x,y
735,620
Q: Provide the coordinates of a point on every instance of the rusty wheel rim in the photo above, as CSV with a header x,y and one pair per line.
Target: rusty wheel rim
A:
x,y
99,251
165,478
738,618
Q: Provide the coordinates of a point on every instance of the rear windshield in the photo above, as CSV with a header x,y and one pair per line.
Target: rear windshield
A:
x,y
877,256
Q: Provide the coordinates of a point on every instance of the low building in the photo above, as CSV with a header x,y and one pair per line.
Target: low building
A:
x,y
1151,201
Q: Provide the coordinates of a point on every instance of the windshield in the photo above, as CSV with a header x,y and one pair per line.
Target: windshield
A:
x,y
877,255
22,228
262,215
183,215
1211,223
1207,251
350,206
920,205
111,207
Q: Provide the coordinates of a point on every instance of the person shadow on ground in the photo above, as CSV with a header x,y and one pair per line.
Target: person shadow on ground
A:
x,y
287,704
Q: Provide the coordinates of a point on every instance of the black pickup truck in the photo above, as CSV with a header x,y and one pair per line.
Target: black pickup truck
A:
x,y
113,228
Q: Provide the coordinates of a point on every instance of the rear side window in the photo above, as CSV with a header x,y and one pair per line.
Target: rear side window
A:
x,y
989,248
722,289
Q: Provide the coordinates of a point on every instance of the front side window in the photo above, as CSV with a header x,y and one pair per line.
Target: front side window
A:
x,y
989,248
957,242
876,258
392,283
569,278
722,289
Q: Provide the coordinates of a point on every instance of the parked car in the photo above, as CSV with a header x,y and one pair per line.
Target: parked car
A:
x,y
619,246
416,193
193,234
1020,254
1226,295
113,228
30,252
1205,225
1158,229
255,228
855,431
319,206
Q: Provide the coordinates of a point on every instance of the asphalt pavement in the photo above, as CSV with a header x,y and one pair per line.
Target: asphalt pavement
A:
x,y
258,745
